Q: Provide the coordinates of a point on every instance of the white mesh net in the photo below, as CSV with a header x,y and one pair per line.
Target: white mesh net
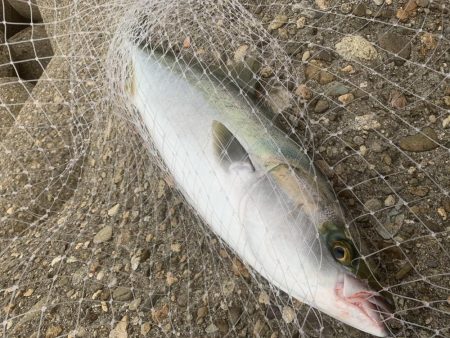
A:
x,y
95,238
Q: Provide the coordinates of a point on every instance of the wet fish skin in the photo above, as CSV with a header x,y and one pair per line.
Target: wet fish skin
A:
x,y
256,188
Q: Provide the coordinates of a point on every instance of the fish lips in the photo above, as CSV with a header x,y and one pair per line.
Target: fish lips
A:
x,y
362,307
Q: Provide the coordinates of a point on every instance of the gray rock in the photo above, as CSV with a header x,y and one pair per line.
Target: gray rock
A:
x,y
373,204
104,235
26,46
422,3
122,294
359,10
321,106
336,89
211,328
395,44
13,94
424,141
355,47
29,11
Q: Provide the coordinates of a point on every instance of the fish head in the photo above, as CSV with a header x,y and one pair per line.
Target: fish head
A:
x,y
294,235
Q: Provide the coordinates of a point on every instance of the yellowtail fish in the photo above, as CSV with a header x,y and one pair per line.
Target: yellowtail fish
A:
x,y
255,187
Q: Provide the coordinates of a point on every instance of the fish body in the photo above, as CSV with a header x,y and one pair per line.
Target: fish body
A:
x,y
254,186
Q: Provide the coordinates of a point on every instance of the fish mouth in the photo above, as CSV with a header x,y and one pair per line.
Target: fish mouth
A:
x,y
354,294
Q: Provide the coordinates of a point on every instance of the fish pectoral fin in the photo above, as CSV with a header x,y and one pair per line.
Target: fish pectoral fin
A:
x,y
227,148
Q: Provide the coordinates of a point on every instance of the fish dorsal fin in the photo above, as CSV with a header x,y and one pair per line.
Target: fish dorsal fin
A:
x,y
227,148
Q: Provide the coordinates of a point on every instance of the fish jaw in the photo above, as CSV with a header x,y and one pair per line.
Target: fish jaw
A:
x,y
353,303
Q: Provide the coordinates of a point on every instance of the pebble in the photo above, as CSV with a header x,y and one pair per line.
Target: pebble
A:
x,y
260,328
389,201
394,44
145,328
403,271
348,69
422,3
222,325
446,122
264,298
419,142
441,212
104,235
277,22
202,312
120,330
366,122
363,150
122,294
301,22
346,98
336,88
240,53
397,100
234,313
356,47
28,44
378,2
306,55
304,92
321,106
288,314
409,10
53,331
359,9
447,100
373,204
316,70
421,191
211,328
114,210
346,8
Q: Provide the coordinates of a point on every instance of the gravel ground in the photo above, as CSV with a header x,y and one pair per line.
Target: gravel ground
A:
x,y
111,249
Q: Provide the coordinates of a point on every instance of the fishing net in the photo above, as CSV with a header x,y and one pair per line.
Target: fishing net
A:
x,y
95,239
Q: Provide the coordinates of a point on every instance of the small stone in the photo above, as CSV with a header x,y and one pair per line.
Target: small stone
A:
x,y
306,55
53,331
104,235
397,100
422,3
239,269
378,2
346,8
120,331
395,44
234,313
113,211
323,4
304,92
441,211
28,293
301,22
321,106
288,314
359,9
389,201
363,150
158,315
228,287
356,47
277,22
134,305
403,14
266,71
211,328
187,42
366,122
419,191
373,204
145,328
264,298
346,98
348,69
336,89
202,312
171,279
240,53
222,326
447,100
403,271
420,142
122,294
446,122
260,328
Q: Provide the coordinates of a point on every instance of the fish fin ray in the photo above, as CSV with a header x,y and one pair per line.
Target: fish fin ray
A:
x,y
227,147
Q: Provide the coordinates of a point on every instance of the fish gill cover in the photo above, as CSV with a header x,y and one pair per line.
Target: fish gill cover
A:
x,y
95,238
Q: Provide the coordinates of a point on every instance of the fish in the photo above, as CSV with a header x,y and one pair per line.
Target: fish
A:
x,y
254,186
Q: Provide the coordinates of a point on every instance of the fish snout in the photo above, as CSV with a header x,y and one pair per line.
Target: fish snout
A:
x,y
363,308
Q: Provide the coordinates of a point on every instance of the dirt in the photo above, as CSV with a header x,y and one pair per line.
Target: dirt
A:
x,y
161,272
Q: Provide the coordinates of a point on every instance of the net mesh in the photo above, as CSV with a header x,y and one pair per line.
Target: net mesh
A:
x,y
95,239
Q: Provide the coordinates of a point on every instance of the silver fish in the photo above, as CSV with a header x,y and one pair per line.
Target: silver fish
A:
x,y
255,187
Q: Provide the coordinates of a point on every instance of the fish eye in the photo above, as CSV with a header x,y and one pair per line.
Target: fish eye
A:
x,y
341,253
